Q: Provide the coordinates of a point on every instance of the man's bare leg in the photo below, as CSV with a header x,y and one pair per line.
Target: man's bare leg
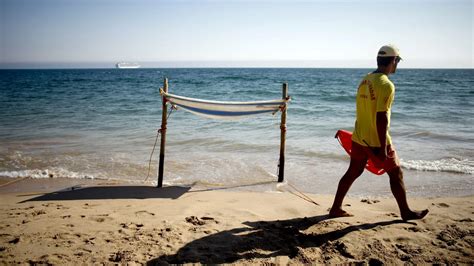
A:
x,y
356,167
398,189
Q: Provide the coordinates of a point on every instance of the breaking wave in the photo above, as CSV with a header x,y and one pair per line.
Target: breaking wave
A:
x,y
46,173
452,165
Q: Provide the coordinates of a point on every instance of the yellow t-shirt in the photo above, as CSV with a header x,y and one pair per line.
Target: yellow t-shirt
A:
x,y
375,94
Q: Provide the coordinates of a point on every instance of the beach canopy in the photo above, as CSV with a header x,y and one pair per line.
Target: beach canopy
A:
x,y
222,110
225,109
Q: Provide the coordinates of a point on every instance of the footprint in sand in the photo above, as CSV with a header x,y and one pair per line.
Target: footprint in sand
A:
x,y
100,218
131,226
37,212
369,201
82,252
144,213
90,241
469,220
121,256
205,218
61,207
196,221
16,240
89,206
415,229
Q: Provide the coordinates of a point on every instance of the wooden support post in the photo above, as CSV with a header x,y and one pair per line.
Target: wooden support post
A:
x,y
164,114
281,164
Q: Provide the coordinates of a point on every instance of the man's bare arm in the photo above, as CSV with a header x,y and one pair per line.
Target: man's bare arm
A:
x,y
382,124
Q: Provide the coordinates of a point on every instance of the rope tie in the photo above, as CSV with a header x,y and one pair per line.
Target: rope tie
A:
x,y
158,132
152,151
282,108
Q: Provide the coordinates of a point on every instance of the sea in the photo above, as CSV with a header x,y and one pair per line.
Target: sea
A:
x,y
102,124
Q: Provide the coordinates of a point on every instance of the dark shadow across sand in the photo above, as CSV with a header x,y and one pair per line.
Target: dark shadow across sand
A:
x,y
261,239
113,192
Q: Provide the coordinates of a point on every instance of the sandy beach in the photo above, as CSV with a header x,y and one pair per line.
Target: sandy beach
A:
x,y
103,101
120,223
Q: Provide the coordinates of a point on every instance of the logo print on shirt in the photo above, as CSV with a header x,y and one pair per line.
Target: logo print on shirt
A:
x,y
371,90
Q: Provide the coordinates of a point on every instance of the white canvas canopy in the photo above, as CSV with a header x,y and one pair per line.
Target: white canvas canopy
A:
x,y
224,109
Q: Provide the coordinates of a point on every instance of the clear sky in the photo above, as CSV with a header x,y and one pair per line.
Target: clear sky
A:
x,y
235,33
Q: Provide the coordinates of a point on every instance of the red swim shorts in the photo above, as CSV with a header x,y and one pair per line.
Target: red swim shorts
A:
x,y
359,152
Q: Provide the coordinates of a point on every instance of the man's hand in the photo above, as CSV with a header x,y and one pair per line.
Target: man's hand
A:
x,y
383,153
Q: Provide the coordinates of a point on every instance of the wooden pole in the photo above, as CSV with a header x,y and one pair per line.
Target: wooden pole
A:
x,y
164,114
281,164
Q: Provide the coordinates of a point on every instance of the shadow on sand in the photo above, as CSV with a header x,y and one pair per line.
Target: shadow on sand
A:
x,y
264,239
128,192
100,192
113,192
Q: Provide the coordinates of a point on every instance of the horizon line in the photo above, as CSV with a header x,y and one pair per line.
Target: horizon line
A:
x,y
337,63
221,67
230,67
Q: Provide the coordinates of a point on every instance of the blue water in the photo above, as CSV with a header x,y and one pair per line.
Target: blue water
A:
x,y
102,124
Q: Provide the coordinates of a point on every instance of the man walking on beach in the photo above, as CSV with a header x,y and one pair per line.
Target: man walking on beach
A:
x,y
371,139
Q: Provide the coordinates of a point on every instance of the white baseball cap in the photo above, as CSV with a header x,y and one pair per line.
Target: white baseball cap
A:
x,y
388,50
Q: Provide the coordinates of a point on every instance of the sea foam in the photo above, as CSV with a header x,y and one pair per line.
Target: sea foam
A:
x,y
45,173
451,165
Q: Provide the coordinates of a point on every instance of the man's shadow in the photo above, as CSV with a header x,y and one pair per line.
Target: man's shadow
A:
x,y
261,239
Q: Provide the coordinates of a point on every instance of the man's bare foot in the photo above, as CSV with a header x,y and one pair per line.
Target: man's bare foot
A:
x,y
339,213
414,215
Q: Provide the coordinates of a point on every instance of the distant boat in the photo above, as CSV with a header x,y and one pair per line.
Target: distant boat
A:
x,y
127,65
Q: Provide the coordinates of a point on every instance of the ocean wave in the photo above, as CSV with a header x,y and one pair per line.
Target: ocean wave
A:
x,y
45,173
451,165
436,136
